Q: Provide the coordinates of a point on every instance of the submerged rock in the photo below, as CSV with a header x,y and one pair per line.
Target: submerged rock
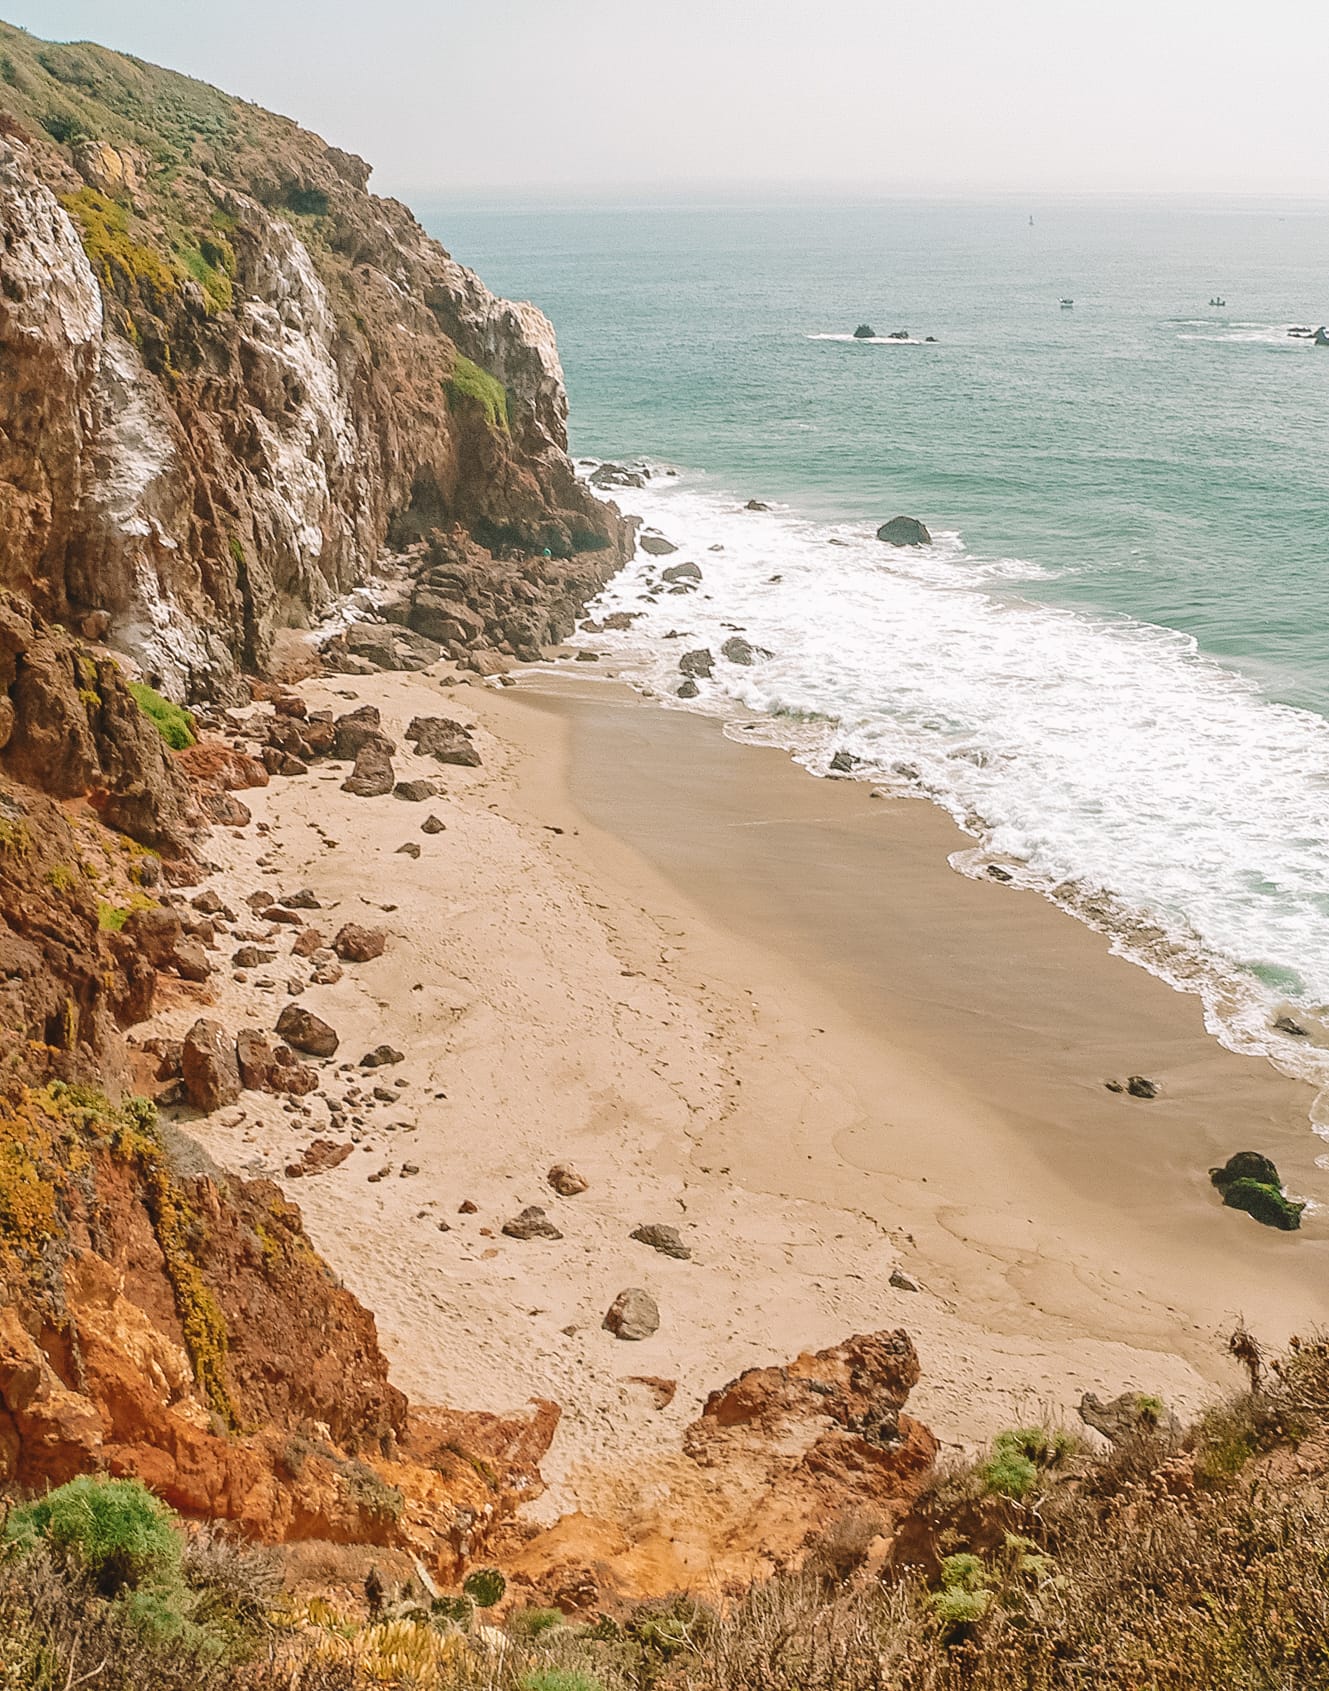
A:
x,y
865,332
680,572
699,663
904,531
737,650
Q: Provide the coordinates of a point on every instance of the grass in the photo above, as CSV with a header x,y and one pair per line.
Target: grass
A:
x,y
469,382
175,724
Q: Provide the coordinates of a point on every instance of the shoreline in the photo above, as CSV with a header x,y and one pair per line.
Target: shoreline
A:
x,y
576,972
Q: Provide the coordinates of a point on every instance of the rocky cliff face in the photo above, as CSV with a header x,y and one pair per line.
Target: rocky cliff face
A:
x,y
228,373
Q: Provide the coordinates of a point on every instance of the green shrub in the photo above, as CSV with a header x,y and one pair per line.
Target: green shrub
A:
x,y
530,1623
485,1587
559,1679
469,381
1019,1456
115,1531
175,724
456,1610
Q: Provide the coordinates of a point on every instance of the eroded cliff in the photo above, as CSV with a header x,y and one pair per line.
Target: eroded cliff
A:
x,y
228,373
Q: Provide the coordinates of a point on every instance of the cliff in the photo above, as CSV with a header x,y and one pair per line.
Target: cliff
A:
x,y
228,377
228,373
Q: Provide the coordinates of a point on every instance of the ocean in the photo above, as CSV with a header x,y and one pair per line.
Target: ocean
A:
x,y
1112,663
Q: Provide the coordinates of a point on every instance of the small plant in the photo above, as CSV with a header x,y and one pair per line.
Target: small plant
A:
x,y
965,1595
454,1611
175,724
115,1531
485,1587
61,876
559,1679
1019,1457
532,1623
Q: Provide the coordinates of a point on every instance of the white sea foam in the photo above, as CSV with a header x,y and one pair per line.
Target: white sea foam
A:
x,y
876,340
1107,762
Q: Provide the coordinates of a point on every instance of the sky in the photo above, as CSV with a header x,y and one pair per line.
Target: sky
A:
x,y
460,97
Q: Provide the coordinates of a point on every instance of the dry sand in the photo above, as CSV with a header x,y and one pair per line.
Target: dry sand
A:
x,y
763,1009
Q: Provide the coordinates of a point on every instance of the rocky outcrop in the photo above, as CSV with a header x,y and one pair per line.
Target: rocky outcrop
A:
x,y
904,531
228,372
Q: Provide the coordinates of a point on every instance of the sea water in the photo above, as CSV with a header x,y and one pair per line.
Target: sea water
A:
x,y
1112,663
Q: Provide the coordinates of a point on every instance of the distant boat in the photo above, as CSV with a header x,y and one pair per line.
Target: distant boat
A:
x,y
1217,301
1066,304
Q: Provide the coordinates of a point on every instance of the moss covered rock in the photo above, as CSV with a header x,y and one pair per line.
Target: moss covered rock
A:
x,y
1265,1202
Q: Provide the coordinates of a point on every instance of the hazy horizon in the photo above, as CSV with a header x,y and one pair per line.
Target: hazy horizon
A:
x,y
1149,96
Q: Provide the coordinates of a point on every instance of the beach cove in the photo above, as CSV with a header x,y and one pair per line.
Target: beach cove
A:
x,y
760,1008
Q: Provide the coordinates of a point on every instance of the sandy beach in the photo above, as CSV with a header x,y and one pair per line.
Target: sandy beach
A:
x,y
763,1009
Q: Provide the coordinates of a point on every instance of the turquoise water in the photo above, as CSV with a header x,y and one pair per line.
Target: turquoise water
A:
x,y
1167,460
1093,666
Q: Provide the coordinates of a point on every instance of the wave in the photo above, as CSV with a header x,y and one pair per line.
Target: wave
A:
x,y
1104,761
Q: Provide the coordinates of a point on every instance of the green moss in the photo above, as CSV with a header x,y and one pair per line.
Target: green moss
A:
x,y
1266,1203
559,1679
469,382
62,876
209,261
14,837
236,548
175,724
123,266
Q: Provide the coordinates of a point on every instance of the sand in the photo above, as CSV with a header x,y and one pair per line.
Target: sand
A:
x,y
763,1009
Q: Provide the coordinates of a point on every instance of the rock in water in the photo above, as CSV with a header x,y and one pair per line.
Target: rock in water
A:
x,y
699,663
307,1032
209,1066
687,689
666,1240
865,332
737,650
678,572
634,1314
904,531
657,545
532,1223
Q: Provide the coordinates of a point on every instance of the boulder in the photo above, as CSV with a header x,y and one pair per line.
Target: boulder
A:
x,y
253,957
209,1067
440,615
634,1314
698,664
667,1240
865,332
355,944
254,1054
688,689
307,1032
566,1180
1246,1165
532,1223
904,531
414,792
656,545
737,650
432,825
318,1157
155,933
305,899
617,621
904,1282
373,773
1266,1203
190,961
681,572
1132,1413
355,729
616,475
382,1056
756,505
843,762
307,943
1140,1087
444,740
